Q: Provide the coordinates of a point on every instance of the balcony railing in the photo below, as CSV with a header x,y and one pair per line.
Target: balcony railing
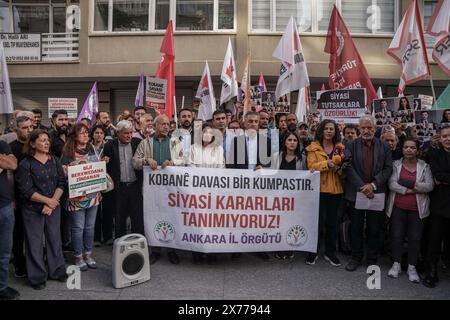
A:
x,y
60,47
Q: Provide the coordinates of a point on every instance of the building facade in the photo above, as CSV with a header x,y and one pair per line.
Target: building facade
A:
x,y
113,41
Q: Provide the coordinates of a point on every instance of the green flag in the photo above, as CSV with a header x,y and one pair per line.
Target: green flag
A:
x,y
443,102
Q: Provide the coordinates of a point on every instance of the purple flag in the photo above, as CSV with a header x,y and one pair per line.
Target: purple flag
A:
x,y
90,106
139,101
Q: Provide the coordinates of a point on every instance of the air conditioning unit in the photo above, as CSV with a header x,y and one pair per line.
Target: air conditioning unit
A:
x,y
130,261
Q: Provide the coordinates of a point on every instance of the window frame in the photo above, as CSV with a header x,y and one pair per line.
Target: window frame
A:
x,y
152,24
314,23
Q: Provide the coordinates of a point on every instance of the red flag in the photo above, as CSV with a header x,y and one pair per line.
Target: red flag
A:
x,y
261,82
346,66
166,69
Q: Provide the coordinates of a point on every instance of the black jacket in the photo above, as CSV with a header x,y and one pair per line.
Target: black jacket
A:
x,y
239,158
382,167
111,150
440,196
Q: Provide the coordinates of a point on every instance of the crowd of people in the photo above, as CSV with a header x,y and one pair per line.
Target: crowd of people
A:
x,y
40,224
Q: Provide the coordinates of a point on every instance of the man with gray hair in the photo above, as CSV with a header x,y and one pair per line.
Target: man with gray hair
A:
x,y
159,150
127,193
369,170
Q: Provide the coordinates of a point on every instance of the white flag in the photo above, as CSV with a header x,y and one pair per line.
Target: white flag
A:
x,y
6,102
205,93
408,48
379,93
302,105
293,72
228,76
439,28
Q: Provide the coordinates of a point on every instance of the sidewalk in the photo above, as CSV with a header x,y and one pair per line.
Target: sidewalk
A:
x,y
246,278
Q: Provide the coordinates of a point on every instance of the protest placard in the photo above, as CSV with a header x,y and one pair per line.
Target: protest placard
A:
x,y
86,178
343,106
426,102
68,104
394,110
427,123
228,210
155,93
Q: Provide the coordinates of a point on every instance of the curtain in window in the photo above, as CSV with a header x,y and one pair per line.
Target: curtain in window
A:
x,y
261,15
299,9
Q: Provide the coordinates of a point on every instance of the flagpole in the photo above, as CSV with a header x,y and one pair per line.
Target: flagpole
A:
x,y
309,102
432,88
175,114
182,103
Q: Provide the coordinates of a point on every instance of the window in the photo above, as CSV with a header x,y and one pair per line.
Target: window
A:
x,y
195,15
34,16
361,16
151,15
428,9
130,15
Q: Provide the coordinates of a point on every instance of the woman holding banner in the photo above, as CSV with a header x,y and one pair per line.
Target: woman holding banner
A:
x,y
207,155
409,204
291,158
326,154
83,209
40,181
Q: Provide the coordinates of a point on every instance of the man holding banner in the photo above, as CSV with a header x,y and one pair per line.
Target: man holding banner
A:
x,y
159,150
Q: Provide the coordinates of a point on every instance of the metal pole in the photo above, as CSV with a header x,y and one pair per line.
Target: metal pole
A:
x,y
432,88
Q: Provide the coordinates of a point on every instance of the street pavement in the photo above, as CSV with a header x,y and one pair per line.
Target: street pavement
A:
x,y
246,278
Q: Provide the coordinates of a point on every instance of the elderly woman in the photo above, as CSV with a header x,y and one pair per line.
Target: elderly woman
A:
x,y
40,180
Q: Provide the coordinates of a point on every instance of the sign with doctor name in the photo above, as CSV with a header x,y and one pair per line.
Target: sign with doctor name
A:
x,y
228,210
68,104
86,178
22,47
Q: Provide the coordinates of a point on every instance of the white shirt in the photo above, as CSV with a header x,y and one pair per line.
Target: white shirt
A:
x,y
252,150
210,156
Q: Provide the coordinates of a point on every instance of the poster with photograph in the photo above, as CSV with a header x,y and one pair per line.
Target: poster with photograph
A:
x,y
268,101
426,102
427,123
283,104
396,109
256,95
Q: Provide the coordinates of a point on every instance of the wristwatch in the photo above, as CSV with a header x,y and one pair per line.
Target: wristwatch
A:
x,y
374,186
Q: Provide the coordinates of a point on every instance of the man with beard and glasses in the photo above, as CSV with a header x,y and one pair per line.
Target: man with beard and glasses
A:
x,y
103,119
58,136
368,172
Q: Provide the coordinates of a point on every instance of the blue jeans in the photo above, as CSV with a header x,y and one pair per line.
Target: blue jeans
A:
x,y
6,237
83,228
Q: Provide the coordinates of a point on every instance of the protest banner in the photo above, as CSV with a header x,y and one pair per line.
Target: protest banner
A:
x,y
396,109
343,106
68,104
155,93
86,178
228,210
